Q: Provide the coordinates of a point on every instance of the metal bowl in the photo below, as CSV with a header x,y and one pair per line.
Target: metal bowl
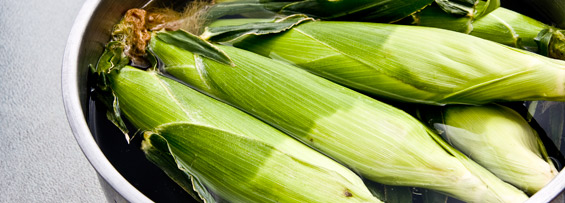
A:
x,y
123,172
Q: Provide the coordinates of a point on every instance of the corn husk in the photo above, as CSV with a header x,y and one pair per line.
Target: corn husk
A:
x,y
503,26
499,139
359,10
157,151
380,142
214,149
467,8
410,63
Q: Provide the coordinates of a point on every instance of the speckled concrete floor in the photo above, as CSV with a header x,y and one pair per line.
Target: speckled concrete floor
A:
x,y
39,159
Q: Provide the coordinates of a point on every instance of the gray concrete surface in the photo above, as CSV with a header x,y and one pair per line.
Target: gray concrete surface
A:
x,y
39,158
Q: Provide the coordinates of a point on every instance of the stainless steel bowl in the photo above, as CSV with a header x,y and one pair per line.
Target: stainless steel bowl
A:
x,y
123,177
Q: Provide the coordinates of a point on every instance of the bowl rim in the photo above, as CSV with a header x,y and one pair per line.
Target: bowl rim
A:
x,y
80,129
75,113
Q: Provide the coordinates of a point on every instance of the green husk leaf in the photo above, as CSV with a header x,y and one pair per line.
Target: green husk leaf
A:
x,y
483,8
237,22
455,15
115,116
457,7
387,145
156,150
359,10
434,16
194,44
113,59
245,8
543,39
473,9
234,32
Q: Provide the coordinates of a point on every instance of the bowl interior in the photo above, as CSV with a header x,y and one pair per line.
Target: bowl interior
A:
x,y
127,158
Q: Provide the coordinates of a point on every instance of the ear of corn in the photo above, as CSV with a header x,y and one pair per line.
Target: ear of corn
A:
x,y
231,151
503,26
414,64
499,139
507,26
521,30
378,141
220,148
364,10
241,161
